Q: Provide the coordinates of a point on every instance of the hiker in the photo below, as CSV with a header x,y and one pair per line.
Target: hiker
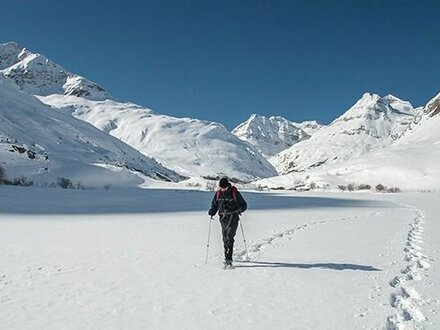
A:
x,y
230,204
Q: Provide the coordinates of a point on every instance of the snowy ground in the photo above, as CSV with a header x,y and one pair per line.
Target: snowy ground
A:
x,y
134,259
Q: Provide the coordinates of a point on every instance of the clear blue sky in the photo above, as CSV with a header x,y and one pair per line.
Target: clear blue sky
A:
x,y
224,60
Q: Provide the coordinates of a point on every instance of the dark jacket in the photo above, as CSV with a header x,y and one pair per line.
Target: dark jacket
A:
x,y
228,202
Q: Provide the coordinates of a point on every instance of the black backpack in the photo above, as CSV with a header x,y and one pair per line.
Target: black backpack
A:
x,y
227,204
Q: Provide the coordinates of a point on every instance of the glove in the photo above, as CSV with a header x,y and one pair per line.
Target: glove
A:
x,y
211,213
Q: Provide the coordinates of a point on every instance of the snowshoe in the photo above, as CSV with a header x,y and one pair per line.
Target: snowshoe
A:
x,y
228,264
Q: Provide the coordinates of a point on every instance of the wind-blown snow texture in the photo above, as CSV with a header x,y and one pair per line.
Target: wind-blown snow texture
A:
x,y
124,259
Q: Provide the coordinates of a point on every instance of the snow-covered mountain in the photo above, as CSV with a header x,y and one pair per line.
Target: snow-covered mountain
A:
x,y
310,126
409,163
37,75
378,140
43,144
371,123
274,134
189,146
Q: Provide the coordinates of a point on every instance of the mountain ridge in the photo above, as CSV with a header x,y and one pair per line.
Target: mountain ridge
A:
x,y
35,74
270,135
372,122
374,127
189,146
43,144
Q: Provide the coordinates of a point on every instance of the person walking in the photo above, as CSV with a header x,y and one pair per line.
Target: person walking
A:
x,y
230,204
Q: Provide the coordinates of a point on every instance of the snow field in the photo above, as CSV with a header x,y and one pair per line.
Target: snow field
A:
x,y
406,299
120,260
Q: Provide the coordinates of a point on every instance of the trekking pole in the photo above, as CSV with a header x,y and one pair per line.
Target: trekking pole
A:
x,y
244,239
209,238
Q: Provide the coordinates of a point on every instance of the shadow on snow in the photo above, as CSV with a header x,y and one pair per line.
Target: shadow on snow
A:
x,y
33,200
334,266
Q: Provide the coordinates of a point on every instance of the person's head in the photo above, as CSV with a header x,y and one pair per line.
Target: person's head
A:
x,y
224,183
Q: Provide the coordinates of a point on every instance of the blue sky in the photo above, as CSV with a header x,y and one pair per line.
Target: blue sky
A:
x,y
224,60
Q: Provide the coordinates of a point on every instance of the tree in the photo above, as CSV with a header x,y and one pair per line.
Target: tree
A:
x,y
64,183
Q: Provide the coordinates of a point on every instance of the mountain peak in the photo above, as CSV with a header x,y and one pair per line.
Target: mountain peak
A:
x,y
372,98
371,123
9,45
370,105
9,53
367,96
270,135
36,74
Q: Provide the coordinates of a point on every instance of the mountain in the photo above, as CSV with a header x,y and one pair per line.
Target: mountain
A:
x,y
433,107
310,127
37,75
274,134
380,139
189,146
409,163
371,123
43,144
423,132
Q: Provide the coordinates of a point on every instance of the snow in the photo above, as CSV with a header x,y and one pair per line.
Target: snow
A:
x,y
409,163
126,258
118,257
65,147
373,122
36,74
188,146
272,135
379,140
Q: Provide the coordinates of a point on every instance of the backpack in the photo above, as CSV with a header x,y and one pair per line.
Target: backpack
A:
x,y
234,194
227,205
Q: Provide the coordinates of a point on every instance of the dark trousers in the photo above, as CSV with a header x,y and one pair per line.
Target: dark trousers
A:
x,y
229,224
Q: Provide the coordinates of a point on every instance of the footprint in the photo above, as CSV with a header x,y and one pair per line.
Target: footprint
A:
x,y
362,312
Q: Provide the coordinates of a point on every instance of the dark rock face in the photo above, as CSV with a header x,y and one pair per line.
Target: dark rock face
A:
x,y
31,154
20,150
433,108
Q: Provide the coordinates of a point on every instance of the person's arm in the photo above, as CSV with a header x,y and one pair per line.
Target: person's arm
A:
x,y
214,206
242,205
